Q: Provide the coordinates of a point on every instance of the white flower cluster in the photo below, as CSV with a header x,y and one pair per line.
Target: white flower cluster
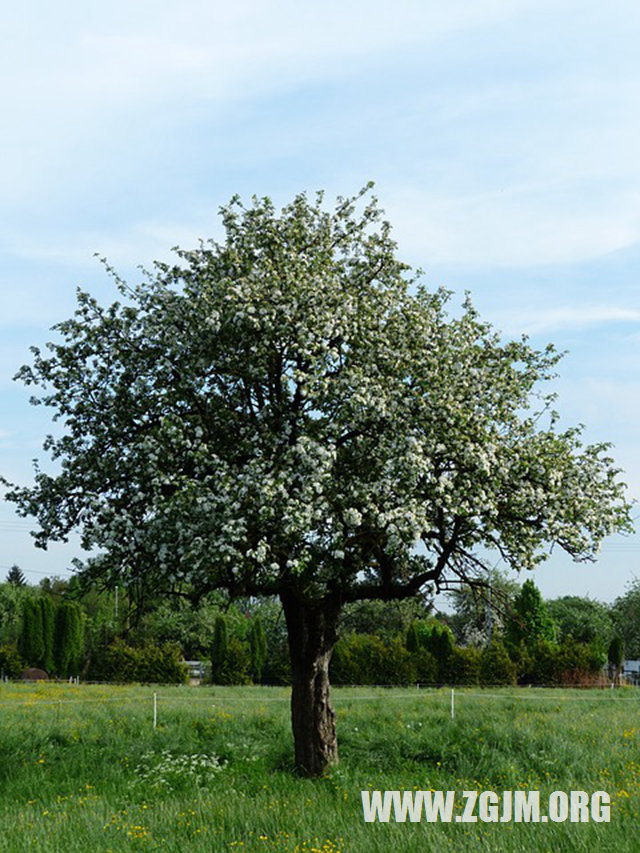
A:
x,y
165,771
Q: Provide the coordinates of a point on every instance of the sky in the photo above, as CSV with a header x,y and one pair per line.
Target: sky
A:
x,y
502,137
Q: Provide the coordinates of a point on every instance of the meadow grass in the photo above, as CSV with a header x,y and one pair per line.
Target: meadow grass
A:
x,y
83,769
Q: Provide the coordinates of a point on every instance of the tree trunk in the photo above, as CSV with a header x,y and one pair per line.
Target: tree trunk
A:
x,y
312,631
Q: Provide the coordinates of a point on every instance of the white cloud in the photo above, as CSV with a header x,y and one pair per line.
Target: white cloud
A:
x,y
219,51
77,253
74,84
563,317
520,226
494,145
500,133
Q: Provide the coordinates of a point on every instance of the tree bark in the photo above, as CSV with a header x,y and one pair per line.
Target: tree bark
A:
x,y
312,632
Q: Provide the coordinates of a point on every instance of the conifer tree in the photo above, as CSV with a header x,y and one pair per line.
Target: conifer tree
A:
x,y
615,655
48,615
69,638
258,646
219,650
32,637
15,576
530,621
412,641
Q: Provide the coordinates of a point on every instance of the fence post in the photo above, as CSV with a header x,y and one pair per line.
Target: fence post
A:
x,y
453,711
155,710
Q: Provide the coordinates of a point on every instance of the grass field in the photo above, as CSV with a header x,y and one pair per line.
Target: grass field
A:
x,y
83,769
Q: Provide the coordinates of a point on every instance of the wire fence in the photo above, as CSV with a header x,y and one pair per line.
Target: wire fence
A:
x,y
158,701
408,689
220,694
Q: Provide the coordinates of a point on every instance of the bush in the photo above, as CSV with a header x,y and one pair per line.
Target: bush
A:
x,y
463,666
496,667
570,662
426,667
435,639
235,666
11,664
579,663
537,663
277,668
150,663
368,659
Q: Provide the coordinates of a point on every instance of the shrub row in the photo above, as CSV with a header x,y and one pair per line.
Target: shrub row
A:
x,y
159,664
367,659
569,662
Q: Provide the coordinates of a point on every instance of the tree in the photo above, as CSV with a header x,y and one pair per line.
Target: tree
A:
x,y
385,618
219,650
412,641
290,412
530,621
31,643
277,668
472,604
583,619
433,637
15,576
55,587
176,620
69,638
625,613
12,600
258,646
48,616
615,655
230,656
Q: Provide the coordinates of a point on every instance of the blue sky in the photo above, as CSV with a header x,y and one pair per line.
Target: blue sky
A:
x,y
503,138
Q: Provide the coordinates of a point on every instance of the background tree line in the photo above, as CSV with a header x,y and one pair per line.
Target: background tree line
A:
x,y
503,636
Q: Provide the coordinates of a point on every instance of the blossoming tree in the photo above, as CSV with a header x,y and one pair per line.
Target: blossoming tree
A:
x,y
291,413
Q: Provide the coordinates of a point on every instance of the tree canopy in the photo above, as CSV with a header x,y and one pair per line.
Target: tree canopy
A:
x,y
16,576
530,620
626,619
583,619
291,412
475,604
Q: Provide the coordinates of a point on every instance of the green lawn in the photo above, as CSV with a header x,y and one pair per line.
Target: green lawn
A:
x,y
82,768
